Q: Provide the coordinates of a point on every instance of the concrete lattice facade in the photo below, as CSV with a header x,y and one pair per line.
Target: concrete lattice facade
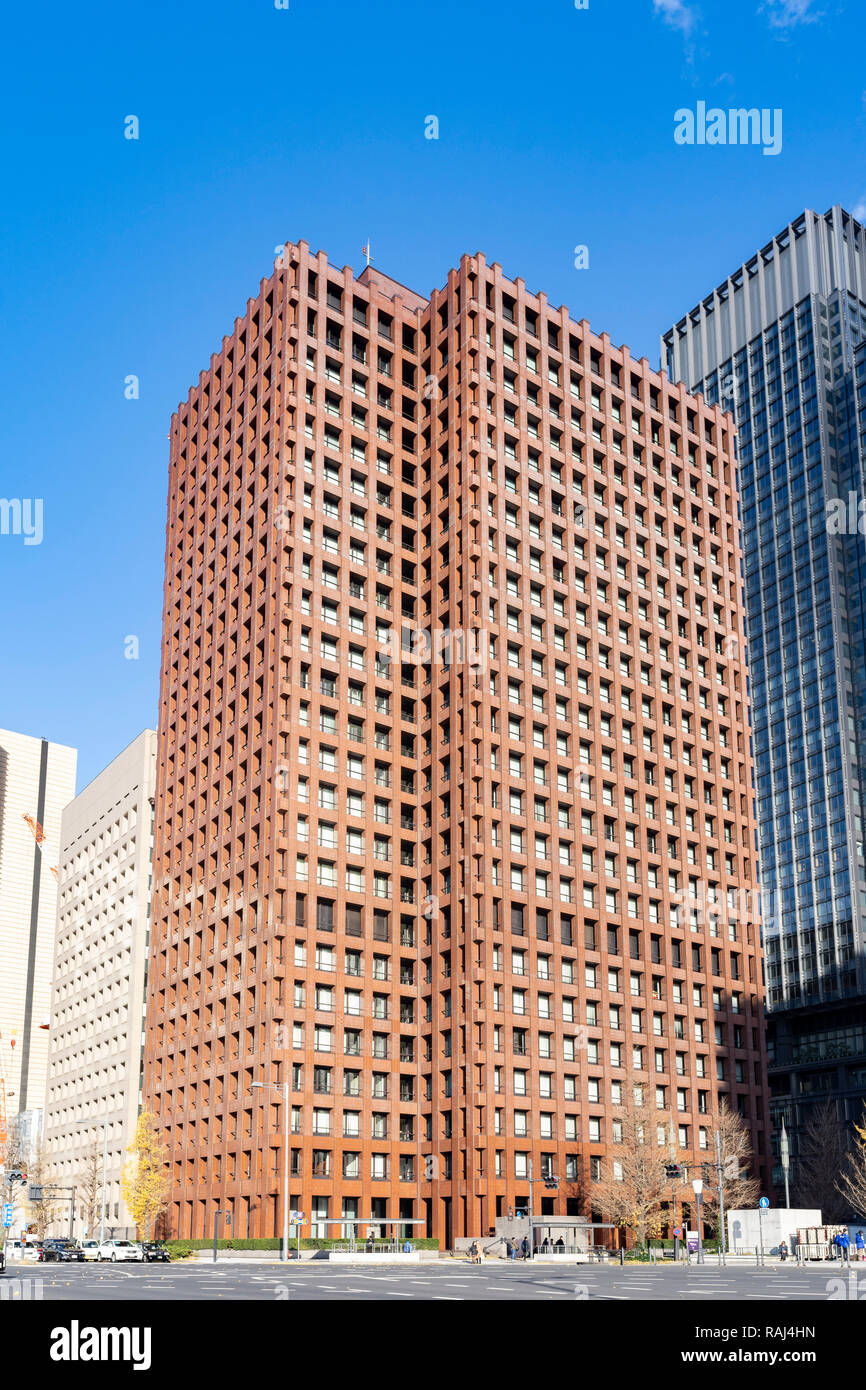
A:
x,y
100,974
37,779
437,884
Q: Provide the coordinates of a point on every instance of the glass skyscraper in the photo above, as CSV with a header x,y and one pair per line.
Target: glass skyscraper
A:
x,y
782,343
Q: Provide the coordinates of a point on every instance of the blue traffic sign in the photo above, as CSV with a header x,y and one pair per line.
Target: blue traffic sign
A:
x,y
7,1213
764,1202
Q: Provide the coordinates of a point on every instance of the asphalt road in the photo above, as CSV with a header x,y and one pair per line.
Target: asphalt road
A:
x,y
451,1280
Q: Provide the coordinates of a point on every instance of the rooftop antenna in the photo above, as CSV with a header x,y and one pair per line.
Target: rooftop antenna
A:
x,y
366,251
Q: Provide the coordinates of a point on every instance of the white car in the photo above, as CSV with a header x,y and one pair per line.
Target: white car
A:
x,y
19,1249
114,1250
91,1249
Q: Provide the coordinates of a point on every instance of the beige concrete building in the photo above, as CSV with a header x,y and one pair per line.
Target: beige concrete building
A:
x,y
37,779
100,970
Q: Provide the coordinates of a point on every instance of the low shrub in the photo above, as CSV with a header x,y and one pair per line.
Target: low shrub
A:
x,y
182,1248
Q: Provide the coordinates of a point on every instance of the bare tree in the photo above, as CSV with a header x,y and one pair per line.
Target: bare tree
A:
x,y
42,1212
739,1188
852,1182
634,1184
90,1188
823,1152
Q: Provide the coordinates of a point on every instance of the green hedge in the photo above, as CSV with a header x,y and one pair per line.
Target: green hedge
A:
x,y
181,1249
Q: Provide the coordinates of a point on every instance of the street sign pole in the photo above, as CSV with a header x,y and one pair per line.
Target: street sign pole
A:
x,y
762,1206
722,1241
216,1217
531,1238
104,1166
296,1219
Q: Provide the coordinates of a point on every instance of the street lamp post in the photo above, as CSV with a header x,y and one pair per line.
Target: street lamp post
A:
x,y
786,1164
104,1164
698,1188
531,1236
282,1089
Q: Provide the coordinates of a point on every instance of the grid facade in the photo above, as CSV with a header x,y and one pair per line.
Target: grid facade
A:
x,y
454,830
100,970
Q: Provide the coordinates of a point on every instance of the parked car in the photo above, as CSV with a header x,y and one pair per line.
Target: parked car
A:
x,y
154,1250
114,1250
90,1248
60,1248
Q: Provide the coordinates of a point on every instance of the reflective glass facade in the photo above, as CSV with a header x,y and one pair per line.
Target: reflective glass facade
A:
x,y
781,344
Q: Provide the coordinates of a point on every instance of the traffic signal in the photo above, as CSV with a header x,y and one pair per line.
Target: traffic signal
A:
x,y
551,1182
673,1170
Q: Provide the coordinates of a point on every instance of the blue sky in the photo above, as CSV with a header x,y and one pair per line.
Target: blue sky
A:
x,y
259,125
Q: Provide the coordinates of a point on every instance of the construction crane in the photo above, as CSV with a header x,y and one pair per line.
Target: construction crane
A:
x,y
39,836
36,828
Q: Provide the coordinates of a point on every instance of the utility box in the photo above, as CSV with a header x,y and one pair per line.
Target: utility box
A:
x,y
749,1228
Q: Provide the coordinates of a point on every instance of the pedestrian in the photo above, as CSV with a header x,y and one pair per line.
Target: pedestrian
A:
x,y
845,1241
837,1244
860,1245
783,1250
509,1248
560,1244
473,1252
525,1248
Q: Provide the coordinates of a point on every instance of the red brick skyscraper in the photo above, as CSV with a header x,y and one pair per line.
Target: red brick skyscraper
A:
x,y
435,884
